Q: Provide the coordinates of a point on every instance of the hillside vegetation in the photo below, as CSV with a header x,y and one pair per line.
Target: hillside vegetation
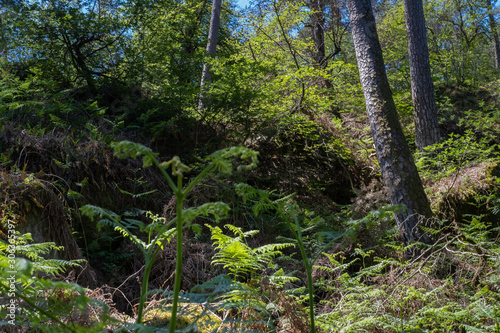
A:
x,y
127,205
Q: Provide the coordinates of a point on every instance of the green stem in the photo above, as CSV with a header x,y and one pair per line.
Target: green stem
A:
x,y
165,175
150,259
311,297
178,268
308,266
180,195
198,178
144,287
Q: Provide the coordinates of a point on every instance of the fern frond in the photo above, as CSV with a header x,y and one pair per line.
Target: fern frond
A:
x,y
35,251
127,234
218,210
124,149
236,256
268,252
237,231
162,237
279,278
55,266
222,159
94,212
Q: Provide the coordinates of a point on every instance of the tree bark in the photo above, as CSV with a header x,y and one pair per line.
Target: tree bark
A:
x,y
494,32
399,172
422,89
317,31
213,35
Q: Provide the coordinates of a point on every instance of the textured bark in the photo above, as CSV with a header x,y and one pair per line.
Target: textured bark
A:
x,y
213,35
399,172
422,89
318,34
494,33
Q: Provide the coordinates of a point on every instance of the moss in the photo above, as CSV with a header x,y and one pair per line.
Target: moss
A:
x,y
161,318
189,314
493,172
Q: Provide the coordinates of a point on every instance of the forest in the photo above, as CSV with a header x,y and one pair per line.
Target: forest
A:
x,y
286,166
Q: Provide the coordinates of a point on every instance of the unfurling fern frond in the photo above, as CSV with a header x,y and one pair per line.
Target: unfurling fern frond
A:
x,y
222,159
124,149
218,210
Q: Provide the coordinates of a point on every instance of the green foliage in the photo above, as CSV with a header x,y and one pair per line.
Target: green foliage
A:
x,y
456,33
237,108
35,252
392,34
37,107
102,70
483,123
168,47
448,289
67,41
224,294
159,231
236,256
448,157
298,135
37,303
290,213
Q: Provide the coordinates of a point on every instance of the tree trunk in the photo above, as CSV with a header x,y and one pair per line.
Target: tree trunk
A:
x,y
422,89
317,31
399,172
494,33
213,35
84,70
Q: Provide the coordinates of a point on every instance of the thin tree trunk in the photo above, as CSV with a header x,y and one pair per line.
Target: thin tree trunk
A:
x,y
3,41
399,172
317,31
84,70
213,35
494,33
422,89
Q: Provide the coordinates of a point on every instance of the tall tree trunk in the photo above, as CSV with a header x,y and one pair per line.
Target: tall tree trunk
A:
x,y
3,41
399,172
422,89
317,31
494,33
213,35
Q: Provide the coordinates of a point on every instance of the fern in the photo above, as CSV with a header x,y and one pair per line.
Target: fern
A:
x,y
221,161
42,305
107,217
279,279
36,252
236,256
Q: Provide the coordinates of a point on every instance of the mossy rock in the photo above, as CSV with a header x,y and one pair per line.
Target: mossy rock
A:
x,y
467,193
192,317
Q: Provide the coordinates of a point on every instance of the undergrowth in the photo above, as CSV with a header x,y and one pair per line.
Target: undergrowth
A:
x,y
454,154
452,287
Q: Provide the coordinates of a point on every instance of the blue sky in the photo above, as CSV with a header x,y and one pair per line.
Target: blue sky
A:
x,y
242,3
